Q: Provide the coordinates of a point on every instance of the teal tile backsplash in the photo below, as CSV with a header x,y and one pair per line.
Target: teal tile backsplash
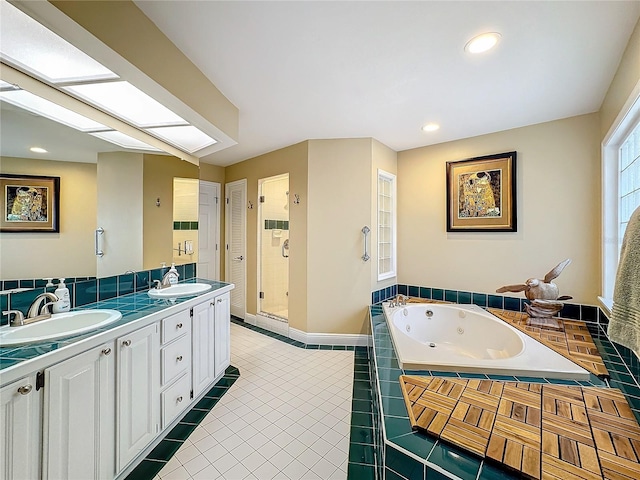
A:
x,y
86,290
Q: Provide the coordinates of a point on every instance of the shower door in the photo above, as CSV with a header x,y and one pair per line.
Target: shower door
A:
x,y
274,246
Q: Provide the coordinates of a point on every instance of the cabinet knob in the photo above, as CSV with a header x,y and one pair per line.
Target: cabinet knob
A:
x,y
179,399
179,358
219,300
106,351
179,325
25,389
126,343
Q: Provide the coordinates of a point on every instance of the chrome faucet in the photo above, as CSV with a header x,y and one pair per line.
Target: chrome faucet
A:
x,y
401,300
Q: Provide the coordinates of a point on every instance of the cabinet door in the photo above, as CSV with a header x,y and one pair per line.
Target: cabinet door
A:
x,y
203,329
79,416
138,392
222,347
20,430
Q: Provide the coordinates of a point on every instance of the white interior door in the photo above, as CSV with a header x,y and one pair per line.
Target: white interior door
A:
x,y
236,256
209,231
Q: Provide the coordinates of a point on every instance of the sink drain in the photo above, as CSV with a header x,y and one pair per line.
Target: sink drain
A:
x,y
432,345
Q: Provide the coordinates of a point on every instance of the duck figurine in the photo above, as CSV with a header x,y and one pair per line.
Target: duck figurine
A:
x,y
537,289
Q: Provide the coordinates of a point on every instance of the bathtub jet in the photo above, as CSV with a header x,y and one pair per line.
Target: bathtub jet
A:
x,y
468,339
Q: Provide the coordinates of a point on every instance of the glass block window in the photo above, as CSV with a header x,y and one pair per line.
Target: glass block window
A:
x,y
386,225
629,181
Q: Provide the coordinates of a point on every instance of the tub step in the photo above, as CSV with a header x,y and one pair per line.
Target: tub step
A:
x,y
538,430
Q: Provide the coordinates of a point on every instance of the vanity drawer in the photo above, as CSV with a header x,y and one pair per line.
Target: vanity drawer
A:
x,y
175,326
176,359
175,399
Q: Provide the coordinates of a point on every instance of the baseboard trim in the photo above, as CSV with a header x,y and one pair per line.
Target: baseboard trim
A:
x,y
353,339
250,318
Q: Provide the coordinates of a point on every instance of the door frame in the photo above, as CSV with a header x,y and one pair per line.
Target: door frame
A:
x,y
227,223
218,193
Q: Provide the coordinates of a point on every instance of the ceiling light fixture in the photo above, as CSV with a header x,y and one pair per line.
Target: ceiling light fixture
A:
x,y
483,42
430,127
38,150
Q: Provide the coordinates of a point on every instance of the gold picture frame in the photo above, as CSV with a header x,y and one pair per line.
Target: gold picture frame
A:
x,y
481,194
29,203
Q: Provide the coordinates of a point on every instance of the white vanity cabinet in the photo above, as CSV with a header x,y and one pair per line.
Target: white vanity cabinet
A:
x,y
78,416
20,440
211,341
175,366
138,382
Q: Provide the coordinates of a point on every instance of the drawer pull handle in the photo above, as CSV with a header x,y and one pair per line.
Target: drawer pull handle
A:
x,y
25,389
179,358
179,399
126,343
106,351
179,325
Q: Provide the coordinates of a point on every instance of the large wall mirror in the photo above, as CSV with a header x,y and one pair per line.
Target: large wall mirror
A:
x,y
128,194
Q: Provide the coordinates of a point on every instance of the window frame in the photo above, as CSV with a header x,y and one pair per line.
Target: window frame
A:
x,y
391,272
626,121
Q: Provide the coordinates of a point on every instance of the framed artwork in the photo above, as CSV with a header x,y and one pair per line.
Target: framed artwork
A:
x,y
29,203
481,194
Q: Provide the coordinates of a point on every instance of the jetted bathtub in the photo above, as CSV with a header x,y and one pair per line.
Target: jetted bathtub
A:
x,y
466,338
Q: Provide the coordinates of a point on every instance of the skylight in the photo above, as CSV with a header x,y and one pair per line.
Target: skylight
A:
x,y
125,101
124,140
50,110
186,137
36,49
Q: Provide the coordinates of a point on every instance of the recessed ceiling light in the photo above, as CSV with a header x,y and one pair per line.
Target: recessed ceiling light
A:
x,y
483,42
430,127
38,150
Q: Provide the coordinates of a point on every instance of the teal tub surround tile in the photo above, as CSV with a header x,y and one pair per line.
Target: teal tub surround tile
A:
x,y
511,303
570,311
454,460
479,299
437,294
492,472
28,284
85,292
588,313
361,453
107,288
147,469
403,289
495,301
10,284
126,283
142,280
414,291
4,306
165,450
464,297
356,471
451,296
416,442
404,465
425,292
523,303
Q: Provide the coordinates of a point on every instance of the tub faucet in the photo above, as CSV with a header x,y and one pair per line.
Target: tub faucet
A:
x,y
401,300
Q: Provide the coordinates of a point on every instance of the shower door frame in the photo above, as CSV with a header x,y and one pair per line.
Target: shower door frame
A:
x,y
259,229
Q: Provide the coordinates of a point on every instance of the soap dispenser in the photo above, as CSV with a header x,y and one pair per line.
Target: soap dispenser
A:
x,y
173,278
64,303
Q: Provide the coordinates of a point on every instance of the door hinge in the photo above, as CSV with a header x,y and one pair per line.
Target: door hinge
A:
x,y
39,380
191,395
191,313
227,246
261,198
227,201
262,295
216,200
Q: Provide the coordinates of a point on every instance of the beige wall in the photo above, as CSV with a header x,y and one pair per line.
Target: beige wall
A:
x,y
383,158
339,205
558,175
69,253
627,78
159,171
292,160
120,212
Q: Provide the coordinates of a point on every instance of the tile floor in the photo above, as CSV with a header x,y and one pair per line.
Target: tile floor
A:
x,y
286,417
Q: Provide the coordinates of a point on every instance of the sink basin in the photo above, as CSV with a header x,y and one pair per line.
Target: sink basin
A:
x,y
58,326
179,290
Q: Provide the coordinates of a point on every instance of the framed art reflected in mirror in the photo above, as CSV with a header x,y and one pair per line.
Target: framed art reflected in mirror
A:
x,y
481,194
29,203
